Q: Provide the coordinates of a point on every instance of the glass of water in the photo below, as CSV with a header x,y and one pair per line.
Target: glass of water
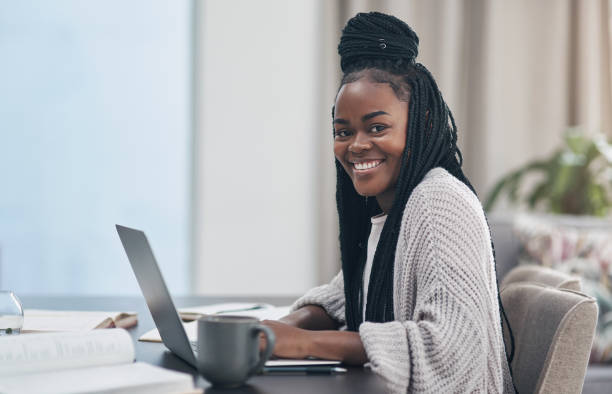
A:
x,y
11,313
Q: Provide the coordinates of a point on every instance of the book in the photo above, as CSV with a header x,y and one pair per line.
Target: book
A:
x,y
98,361
39,320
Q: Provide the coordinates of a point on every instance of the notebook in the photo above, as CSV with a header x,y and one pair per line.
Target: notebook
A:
x,y
39,320
98,361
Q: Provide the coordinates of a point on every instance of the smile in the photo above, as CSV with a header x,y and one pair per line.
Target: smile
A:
x,y
366,165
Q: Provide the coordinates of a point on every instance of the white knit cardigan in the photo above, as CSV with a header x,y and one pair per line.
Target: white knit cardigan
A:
x,y
447,335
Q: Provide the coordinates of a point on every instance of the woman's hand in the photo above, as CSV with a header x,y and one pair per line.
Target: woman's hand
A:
x,y
310,317
291,342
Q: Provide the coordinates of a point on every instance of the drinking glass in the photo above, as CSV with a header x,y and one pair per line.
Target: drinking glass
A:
x,y
11,313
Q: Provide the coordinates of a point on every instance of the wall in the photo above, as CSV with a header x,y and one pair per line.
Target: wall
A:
x,y
255,134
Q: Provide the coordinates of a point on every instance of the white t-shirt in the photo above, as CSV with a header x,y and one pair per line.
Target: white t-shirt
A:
x,y
378,222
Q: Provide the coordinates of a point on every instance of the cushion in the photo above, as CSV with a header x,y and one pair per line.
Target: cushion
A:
x,y
580,246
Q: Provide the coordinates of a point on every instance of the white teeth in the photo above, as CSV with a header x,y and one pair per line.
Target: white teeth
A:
x,y
366,165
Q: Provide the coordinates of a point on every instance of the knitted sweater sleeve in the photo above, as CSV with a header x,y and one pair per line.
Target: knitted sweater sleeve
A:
x,y
329,296
444,344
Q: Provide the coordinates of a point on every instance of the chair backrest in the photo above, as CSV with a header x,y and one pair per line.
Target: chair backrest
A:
x,y
543,275
553,333
507,244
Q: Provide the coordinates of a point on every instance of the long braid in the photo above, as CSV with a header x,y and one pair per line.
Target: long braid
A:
x,y
383,48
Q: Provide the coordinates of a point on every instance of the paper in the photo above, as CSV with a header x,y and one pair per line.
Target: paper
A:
x,y
126,378
191,328
36,320
41,352
233,308
273,313
223,308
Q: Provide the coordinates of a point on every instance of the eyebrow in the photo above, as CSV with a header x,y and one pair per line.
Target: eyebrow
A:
x,y
363,118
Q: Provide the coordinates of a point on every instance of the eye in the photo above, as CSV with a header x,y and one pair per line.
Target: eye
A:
x,y
342,133
377,128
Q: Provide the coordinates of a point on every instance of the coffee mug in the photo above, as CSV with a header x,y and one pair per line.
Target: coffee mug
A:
x,y
228,349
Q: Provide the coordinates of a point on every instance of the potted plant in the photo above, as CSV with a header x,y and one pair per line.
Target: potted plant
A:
x,y
576,179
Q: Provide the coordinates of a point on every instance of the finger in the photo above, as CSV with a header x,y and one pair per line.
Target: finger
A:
x,y
262,342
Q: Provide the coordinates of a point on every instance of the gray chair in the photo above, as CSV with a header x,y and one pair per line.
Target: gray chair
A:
x,y
598,379
553,331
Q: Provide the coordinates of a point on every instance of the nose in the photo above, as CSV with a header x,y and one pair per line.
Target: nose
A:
x,y
360,143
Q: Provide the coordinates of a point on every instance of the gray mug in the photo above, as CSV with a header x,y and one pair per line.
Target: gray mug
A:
x,y
228,349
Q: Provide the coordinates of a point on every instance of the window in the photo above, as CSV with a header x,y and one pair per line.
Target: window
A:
x,y
95,129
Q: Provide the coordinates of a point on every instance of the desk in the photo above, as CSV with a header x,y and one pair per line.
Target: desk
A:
x,y
356,380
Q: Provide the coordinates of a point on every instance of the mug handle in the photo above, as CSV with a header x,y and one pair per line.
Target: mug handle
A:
x,y
267,352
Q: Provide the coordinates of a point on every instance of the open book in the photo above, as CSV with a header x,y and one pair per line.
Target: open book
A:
x,y
39,320
99,361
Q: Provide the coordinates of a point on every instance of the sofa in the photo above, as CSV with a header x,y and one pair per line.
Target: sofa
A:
x,y
598,377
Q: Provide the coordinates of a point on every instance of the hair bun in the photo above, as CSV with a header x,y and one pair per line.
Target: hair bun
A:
x,y
375,36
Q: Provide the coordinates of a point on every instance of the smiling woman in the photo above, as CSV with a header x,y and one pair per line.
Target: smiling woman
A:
x,y
417,296
370,136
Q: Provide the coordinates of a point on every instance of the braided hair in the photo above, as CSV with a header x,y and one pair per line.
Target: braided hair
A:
x,y
383,49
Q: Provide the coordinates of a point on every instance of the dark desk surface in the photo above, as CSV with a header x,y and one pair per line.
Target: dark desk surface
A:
x,y
356,380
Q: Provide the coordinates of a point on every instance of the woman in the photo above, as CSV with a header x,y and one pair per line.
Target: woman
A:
x,y
417,291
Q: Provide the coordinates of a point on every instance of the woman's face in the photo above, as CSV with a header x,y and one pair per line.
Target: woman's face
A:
x,y
370,137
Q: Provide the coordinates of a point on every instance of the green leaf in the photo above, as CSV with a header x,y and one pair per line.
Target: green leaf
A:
x,y
494,194
539,193
511,183
571,178
576,141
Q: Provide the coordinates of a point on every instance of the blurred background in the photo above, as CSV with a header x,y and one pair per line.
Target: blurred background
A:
x,y
207,124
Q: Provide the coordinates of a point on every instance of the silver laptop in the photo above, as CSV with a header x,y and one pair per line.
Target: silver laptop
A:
x,y
156,293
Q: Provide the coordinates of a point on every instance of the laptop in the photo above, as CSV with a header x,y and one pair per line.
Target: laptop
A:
x,y
156,294
162,308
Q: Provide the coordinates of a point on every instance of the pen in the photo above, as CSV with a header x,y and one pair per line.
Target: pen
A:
x,y
312,370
